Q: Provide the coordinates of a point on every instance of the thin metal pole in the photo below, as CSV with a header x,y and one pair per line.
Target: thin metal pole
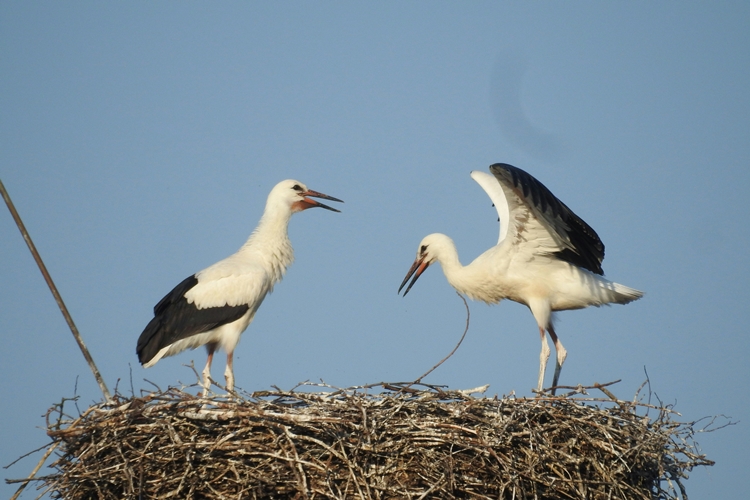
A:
x,y
55,293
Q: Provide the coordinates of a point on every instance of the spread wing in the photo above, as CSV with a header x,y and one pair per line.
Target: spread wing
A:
x,y
537,221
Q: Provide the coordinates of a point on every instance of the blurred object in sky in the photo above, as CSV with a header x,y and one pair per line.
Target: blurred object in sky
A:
x,y
505,98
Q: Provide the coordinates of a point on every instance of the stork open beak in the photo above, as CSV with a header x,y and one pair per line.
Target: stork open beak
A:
x,y
416,269
306,202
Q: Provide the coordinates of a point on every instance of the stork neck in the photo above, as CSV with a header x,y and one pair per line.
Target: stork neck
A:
x,y
273,226
452,268
470,280
270,242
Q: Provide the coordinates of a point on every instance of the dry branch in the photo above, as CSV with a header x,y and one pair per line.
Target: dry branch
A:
x,y
353,443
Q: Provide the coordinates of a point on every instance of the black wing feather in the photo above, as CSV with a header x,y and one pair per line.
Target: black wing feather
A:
x,y
176,319
586,248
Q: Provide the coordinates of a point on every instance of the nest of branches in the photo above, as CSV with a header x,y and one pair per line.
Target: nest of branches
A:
x,y
376,442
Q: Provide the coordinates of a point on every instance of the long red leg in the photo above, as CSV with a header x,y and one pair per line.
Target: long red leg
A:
x,y
211,348
561,355
543,357
229,372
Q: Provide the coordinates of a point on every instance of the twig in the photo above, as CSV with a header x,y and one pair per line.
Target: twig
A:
x,y
33,472
602,387
24,456
468,315
55,293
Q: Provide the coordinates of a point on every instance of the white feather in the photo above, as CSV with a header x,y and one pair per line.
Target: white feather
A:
x,y
497,195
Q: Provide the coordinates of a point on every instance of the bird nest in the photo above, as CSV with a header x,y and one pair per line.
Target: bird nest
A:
x,y
374,442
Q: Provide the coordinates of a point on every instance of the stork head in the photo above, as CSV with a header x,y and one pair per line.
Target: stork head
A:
x,y
297,197
427,253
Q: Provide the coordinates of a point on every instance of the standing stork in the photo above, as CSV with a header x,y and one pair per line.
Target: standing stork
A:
x,y
546,258
214,306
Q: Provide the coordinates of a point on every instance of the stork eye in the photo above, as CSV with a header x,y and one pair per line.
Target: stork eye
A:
x,y
297,187
423,249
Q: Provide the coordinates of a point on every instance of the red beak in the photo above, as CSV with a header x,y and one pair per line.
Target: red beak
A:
x,y
306,202
416,269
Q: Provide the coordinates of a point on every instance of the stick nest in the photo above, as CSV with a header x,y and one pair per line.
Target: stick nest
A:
x,y
376,442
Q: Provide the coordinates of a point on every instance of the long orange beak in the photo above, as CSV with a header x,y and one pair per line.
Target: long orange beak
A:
x,y
416,269
306,202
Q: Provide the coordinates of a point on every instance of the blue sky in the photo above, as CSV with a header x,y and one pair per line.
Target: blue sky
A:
x,y
140,139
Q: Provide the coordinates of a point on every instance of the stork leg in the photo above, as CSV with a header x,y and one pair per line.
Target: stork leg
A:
x,y
543,358
211,348
561,354
229,371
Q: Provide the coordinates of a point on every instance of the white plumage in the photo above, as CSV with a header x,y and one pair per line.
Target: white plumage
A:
x,y
546,258
214,306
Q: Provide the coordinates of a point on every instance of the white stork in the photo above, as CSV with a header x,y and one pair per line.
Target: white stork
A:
x,y
546,258
214,306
